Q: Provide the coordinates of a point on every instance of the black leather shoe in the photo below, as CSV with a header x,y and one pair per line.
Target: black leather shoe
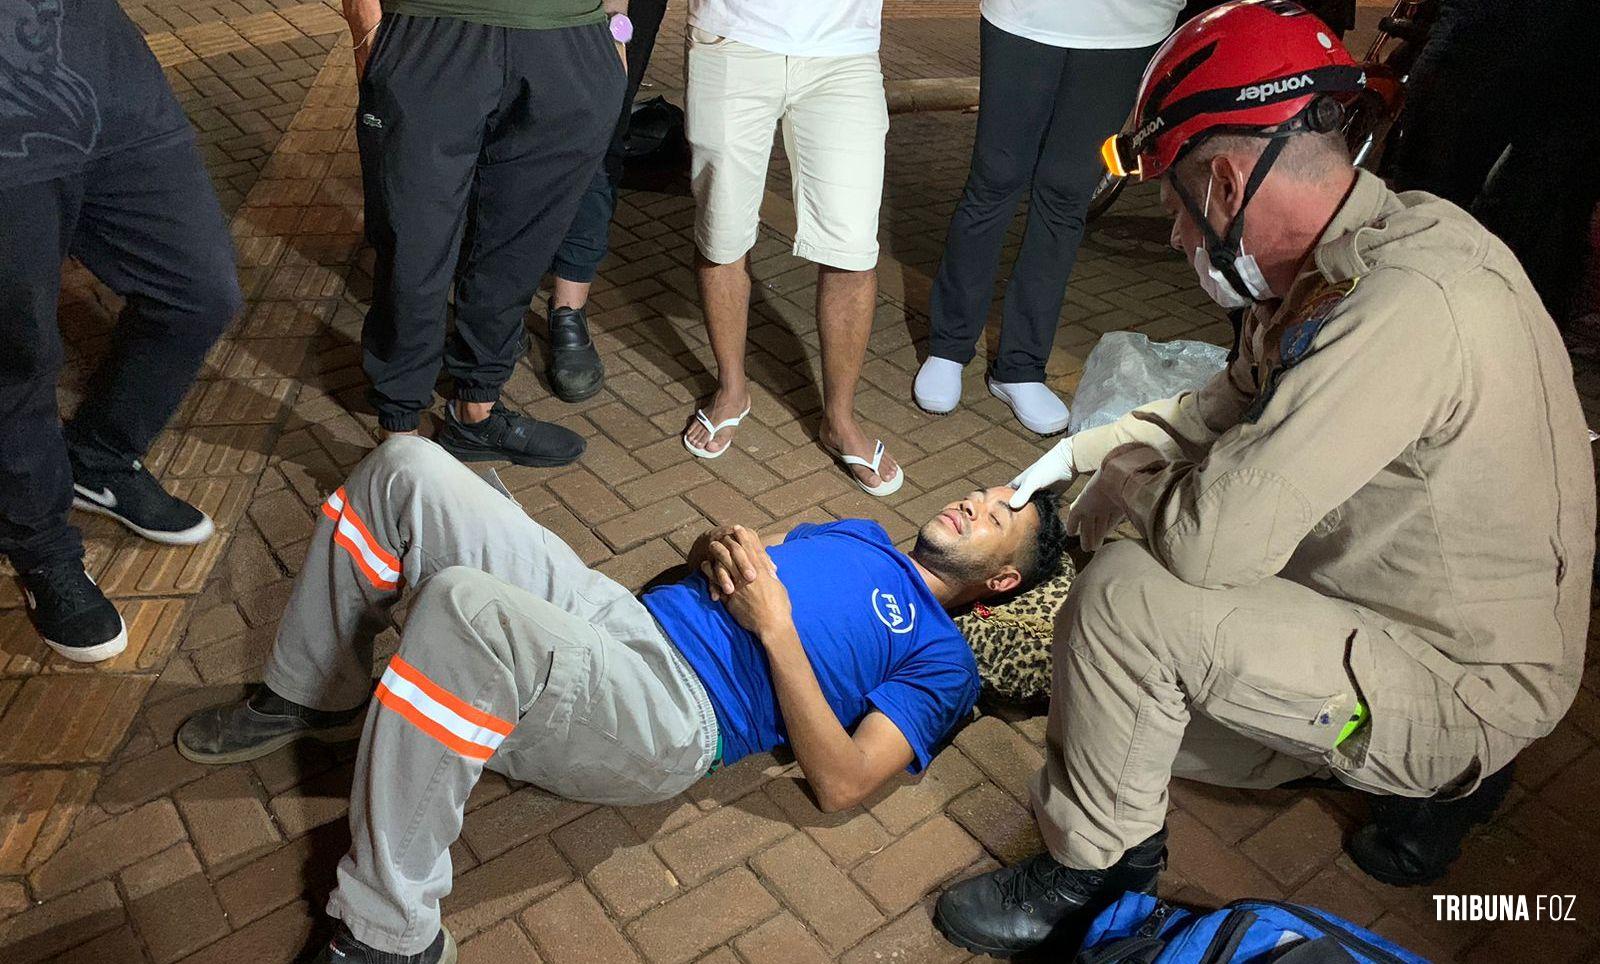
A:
x,y
575,371
254,727
1039,901
1414,840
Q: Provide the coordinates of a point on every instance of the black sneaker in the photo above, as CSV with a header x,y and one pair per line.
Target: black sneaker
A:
x,y
135,499
254,727
575,371
71,614
1414,840
509,436
1039,902
345,949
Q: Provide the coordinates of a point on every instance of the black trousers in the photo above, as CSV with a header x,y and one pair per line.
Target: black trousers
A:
x,y
1043,113
586,243
145,220
514,120
1500,119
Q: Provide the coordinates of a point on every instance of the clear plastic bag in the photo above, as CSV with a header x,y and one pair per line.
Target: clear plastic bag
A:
x,y
1127,369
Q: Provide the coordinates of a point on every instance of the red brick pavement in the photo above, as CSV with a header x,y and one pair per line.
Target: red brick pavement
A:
x,y
116,849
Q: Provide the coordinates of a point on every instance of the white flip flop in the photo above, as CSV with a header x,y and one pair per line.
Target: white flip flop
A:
x,y
700,416
882,488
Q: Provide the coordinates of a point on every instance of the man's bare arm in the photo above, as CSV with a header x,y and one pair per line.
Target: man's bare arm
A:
x,y
363,17
843,769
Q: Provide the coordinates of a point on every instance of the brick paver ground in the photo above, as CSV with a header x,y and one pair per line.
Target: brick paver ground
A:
x,y
115,849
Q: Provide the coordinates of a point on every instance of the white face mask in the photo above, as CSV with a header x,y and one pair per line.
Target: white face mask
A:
x,y
1217,285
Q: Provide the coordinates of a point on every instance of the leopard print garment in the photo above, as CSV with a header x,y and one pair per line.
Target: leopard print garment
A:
x,y
1011,640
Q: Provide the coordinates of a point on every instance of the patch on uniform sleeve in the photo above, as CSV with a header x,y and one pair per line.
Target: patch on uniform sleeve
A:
x,y
1299,334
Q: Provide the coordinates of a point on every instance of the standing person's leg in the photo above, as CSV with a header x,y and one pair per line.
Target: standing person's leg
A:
x,y
834,129
430,85
66,608
734,97
1095,94
543,144
152,230
490,674
1017,92
575,370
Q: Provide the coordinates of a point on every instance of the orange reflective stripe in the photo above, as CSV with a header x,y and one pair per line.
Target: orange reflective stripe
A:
x,y
415,717
449,700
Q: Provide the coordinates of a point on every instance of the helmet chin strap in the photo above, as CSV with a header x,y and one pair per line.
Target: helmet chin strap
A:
x,y
1224,249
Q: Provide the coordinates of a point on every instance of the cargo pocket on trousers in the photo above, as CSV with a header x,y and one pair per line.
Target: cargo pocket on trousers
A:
x,y
1263,689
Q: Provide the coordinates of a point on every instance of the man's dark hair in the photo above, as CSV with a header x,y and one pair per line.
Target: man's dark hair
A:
x,y
1040,559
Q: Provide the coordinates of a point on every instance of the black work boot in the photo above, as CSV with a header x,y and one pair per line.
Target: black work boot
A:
x,y
1038,901
254,727
345,949
1414,840
575,371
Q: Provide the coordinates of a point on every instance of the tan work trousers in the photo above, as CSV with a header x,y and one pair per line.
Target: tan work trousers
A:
x,y
1246,687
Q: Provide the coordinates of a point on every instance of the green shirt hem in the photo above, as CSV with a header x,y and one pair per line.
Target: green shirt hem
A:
x,y
490,17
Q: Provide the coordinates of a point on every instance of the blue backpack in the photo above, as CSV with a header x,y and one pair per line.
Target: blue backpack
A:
x,y
1139,929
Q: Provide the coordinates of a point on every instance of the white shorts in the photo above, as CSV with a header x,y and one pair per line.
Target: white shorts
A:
x,y
835,119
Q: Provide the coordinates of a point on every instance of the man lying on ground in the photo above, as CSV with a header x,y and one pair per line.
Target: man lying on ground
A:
x,y
517,656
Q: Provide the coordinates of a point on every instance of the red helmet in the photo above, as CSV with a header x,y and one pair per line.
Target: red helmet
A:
x,y
1243,66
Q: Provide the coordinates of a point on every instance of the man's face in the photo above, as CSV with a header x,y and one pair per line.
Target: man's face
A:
x,y
976,539
1186,234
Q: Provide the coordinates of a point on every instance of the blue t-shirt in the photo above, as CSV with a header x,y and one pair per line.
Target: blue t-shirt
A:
x,y
876,637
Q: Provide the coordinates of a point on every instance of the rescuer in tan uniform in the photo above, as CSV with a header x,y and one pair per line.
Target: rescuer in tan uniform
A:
x,y
1364,548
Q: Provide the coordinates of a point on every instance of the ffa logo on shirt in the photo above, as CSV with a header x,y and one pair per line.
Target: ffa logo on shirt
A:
x,y
899,618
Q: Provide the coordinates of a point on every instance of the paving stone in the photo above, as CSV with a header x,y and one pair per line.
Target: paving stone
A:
x,y
1295,843
119,945
909,939
570,927
180,917
1002,753
1004,827
730,783
112,845
493,829
781,940
804,877
687,926
1212,865
846,837
280,936
727,836
638,566
626,531
302,866
159,871
226,818
314,803
616,863
503,886
916,863
13,898
45,931
504,943
913,801
39,807
65,719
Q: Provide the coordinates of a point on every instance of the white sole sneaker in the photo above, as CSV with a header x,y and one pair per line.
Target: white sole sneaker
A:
x,y
937,387
195,534
93,654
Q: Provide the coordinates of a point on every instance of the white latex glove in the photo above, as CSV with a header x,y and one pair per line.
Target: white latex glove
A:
x,y
1052,467
1093,515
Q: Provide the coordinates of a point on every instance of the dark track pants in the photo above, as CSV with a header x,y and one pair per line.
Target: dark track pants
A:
x,y
515,120
1043,113
580,254
145,220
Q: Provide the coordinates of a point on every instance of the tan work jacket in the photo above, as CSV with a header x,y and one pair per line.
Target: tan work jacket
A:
x,y
1403,433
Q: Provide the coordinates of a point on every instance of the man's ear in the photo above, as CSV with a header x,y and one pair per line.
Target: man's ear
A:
x,y
1004,581
1228,180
